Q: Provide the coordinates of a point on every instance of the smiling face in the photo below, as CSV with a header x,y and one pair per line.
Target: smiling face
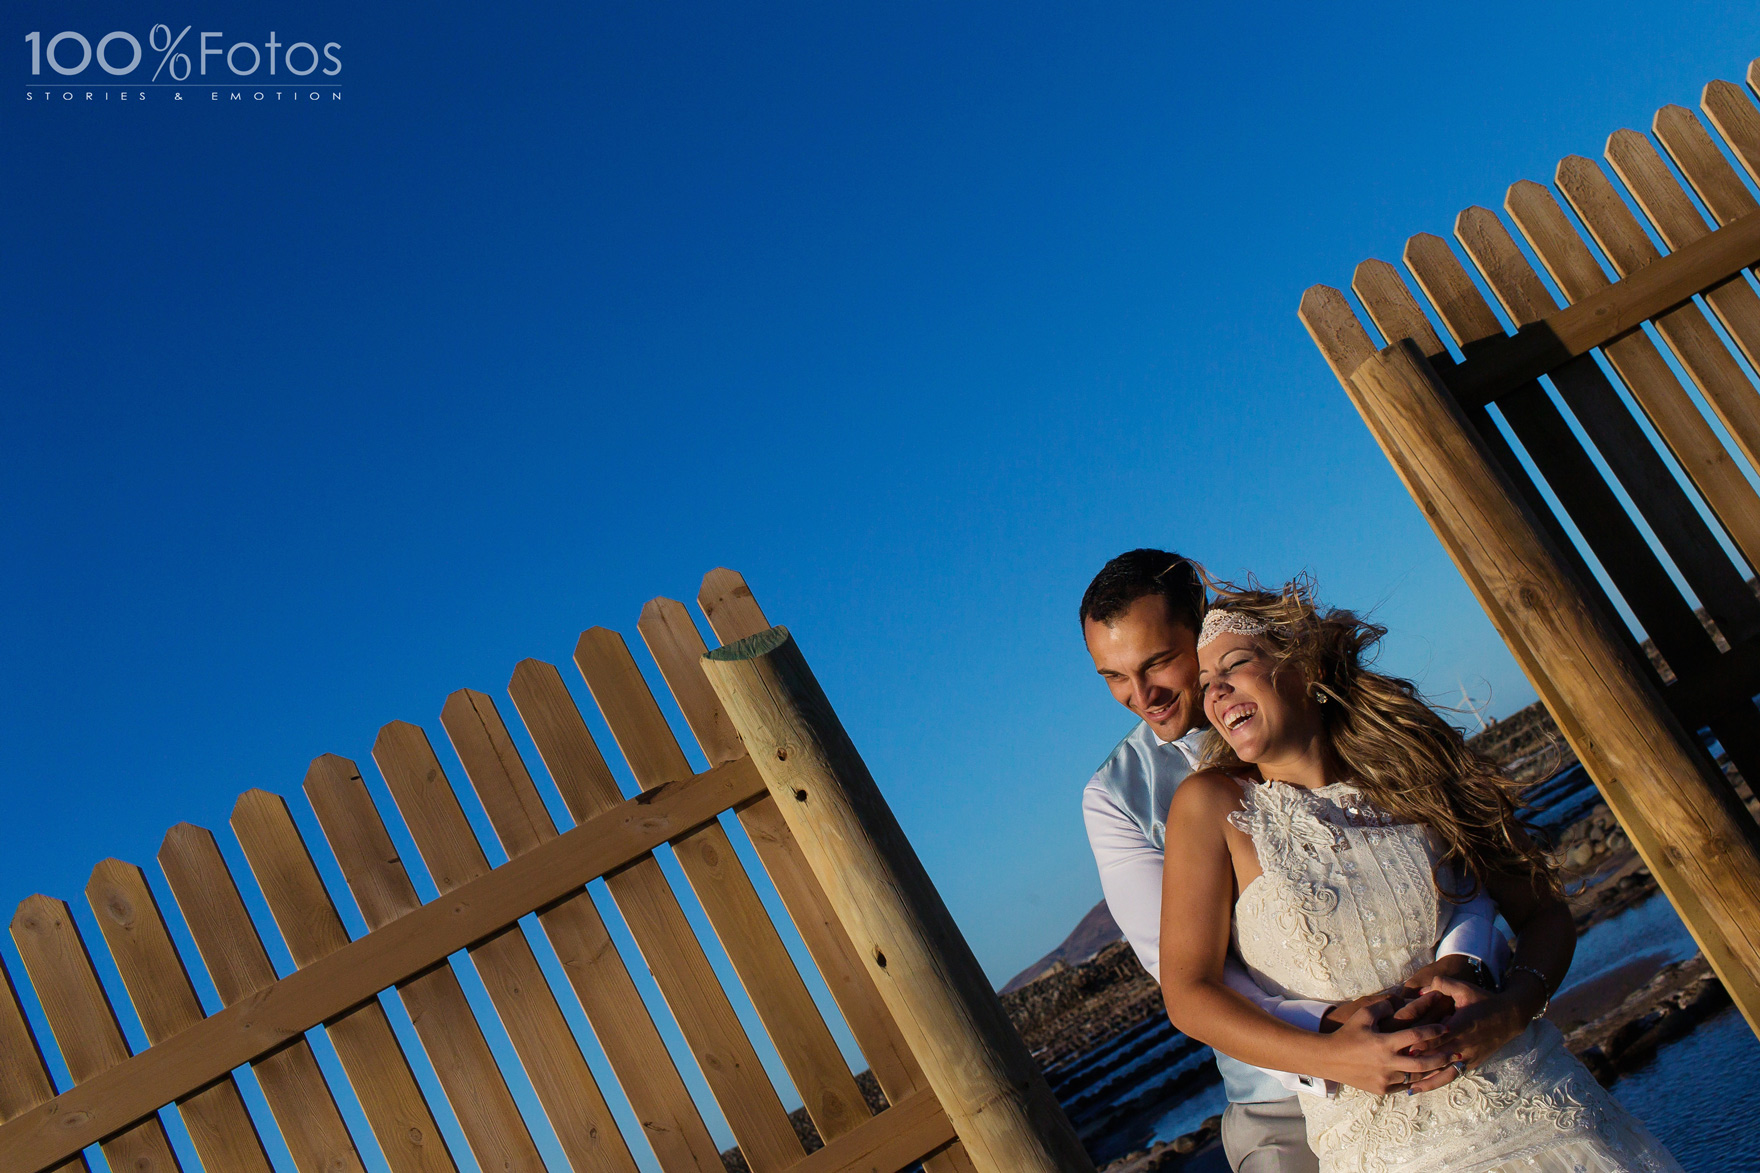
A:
x,y
1151,665
1263,717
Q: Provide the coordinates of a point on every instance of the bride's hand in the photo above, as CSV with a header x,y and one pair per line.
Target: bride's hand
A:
x,y
1362,1055
1481,1024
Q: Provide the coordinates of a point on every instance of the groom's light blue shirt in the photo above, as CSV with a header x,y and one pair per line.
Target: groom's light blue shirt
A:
x,y
1125,810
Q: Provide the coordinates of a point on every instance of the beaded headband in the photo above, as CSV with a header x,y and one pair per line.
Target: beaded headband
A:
x,y
1219,622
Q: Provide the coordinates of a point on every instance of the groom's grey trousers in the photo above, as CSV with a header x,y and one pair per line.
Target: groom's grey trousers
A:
x,y
1268,1138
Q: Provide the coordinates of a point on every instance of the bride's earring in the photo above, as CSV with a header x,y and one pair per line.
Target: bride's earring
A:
x,y
1319,695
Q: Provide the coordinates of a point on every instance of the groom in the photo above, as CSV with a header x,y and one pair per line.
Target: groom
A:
x,y
1140,617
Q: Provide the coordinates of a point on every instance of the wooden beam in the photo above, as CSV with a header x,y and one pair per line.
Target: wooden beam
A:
x,y
136,1087
1623,306
975,1063
897,1138
1700,845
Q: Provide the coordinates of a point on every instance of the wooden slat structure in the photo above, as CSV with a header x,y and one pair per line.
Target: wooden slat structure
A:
x,y
1590,458
513,1076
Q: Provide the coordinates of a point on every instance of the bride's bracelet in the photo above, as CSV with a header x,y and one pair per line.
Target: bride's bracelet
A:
x,y
1545,986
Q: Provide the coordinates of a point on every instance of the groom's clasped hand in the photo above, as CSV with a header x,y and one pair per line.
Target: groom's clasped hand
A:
x,y
1445,1025
1384,1042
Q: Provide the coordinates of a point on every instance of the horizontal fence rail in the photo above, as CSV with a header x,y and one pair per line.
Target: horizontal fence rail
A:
x,y
414,951
1610,441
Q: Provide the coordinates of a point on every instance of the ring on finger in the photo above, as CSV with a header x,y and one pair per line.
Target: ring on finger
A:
x,y
1460,1066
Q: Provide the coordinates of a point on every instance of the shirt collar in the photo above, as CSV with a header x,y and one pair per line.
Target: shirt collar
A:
x,y
1189,747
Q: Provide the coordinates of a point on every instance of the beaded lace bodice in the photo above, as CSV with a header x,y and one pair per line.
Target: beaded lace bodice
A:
x,y
1348,906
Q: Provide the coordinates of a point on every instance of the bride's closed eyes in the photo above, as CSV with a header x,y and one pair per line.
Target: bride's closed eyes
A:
x,y
1228,664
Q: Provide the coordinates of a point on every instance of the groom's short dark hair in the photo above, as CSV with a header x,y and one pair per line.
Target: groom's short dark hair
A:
x,y
1135,574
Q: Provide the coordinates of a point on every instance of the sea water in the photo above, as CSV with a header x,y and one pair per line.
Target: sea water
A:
x,y
1698,1096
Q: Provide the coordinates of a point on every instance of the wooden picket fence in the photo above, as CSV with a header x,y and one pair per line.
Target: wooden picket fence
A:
x,y
116,1097
1609,357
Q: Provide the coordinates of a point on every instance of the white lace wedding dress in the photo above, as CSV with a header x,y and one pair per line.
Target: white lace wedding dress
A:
x,y
1347,907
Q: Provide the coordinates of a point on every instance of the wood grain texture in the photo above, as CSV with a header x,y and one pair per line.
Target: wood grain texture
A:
x,y
1696,840
1611,313
1337,333
676,645
728,603
976,1064
301,1101
1586,390
1543,432
1667,206
897,1138
1695,152
83,1023
220,1128
729,900
376,1066
24,1077
1393,308
645,1070
1642,368
268,1019
1729,109
674,956
436,1003
678,649
505,962
1701,352
734,613
1345,343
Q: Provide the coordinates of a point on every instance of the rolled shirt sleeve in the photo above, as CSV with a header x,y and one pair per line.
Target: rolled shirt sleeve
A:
x,y
1472,932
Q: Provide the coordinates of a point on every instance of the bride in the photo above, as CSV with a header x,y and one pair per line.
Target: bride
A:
x,y
1338,817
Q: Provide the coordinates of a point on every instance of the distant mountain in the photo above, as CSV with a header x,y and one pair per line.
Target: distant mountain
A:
x,y
1095,931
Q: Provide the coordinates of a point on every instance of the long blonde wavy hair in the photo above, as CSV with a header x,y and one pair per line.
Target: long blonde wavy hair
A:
x,y
1388,741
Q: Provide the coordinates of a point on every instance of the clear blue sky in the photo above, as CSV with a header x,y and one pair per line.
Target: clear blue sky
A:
x,y
913,313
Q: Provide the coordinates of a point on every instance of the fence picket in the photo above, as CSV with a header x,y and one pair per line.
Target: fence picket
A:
x,y
650,908
1732,112
83,1022
505,962
1695,152
24,1077
376,1067
1592,399
1568,471
733,613
726,893
436,1003
678,649
1700,351
1666,205
300,1100
1637,361
224,1135
729,605
1345,345
576,931
339,985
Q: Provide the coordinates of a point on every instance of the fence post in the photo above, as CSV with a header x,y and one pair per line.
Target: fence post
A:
x,y
976,1064
1680,816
